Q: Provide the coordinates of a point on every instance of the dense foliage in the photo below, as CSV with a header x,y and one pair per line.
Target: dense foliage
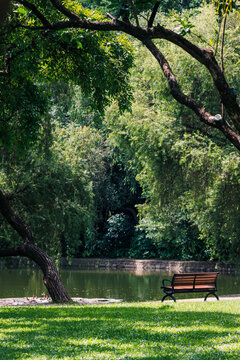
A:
x,y
79,176
65,192
125,8
189,174
98,63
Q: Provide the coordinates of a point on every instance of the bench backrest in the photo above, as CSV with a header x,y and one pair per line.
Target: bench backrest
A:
x,y
192,279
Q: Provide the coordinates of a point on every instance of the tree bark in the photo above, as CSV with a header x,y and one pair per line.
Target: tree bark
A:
x,y
4,6
27,249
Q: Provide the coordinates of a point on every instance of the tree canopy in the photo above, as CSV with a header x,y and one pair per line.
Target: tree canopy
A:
x,y
38,19
98,62
86,62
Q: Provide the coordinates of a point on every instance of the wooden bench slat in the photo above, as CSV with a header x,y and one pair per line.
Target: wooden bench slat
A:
x,y
205,286
190,287
199,273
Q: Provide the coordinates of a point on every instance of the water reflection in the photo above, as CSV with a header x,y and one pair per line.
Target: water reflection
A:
x,y
106,284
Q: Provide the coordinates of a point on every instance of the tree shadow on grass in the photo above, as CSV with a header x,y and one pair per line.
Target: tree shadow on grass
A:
x,y
118,332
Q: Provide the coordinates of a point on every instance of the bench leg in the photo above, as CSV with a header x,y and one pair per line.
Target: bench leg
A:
x,y
211,293
170,295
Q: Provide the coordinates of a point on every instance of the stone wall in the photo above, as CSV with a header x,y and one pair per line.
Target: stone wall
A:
x,y
137,266
141,266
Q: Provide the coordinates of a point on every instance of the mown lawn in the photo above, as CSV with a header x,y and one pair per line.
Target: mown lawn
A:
x,y
141,331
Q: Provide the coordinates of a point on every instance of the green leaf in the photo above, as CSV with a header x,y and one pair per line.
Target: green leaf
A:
x,y
79,44
22,11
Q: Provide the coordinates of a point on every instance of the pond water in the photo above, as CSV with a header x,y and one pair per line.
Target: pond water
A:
x,y
127,286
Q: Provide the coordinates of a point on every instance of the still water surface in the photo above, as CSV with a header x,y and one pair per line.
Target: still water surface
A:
x,y
123,285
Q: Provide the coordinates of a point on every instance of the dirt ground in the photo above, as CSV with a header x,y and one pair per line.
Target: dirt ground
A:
x,y
83,301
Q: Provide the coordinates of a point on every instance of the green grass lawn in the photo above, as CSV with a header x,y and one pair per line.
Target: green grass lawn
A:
x,y
143,331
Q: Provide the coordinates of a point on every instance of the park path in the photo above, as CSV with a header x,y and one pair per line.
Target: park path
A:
x,y
84,301
47,301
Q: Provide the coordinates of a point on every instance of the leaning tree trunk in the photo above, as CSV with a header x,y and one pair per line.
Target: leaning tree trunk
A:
x,y
4,6
27,249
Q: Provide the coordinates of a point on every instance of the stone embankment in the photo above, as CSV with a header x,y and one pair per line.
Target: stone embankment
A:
x,y
142,266
136,266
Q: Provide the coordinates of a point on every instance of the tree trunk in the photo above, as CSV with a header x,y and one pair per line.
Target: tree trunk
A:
x,y
51,277
4,6
27,249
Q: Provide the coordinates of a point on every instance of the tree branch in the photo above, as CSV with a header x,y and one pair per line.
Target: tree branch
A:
x,y
68,13
114,25
134,12
203,56
174,86
198,109
36,12
51,278
14,220
222,44
207,58
9,252
7,61
153,15
221,55
6,71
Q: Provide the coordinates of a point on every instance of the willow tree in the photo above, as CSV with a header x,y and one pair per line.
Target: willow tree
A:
x,y
52,33
98,63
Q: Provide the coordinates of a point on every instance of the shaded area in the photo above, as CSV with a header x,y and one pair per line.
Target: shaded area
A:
x,y
197,331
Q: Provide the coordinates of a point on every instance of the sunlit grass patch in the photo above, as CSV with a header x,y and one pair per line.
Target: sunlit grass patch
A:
x,y
141,331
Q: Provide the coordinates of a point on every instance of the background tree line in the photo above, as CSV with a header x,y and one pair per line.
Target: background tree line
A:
x,y
103,155
149,183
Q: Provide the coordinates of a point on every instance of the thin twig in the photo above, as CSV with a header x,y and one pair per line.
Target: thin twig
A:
x,y
218,36
153,15
221,55
134,12
222,44
110,16
59,6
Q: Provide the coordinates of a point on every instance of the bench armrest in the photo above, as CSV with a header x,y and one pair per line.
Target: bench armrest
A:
x,y
163,282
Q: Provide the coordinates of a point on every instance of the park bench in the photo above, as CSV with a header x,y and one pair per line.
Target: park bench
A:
x,y
191,283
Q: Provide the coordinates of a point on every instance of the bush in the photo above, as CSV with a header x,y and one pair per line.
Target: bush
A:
x,y
142,246
115,242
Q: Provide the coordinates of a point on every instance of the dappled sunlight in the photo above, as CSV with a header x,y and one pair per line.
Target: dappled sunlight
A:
x,y
122,331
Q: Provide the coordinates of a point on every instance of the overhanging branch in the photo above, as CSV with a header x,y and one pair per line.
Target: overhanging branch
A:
x,y
175,88
203,56
198,109
36,12
14,220
134,12
153,15
68,13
